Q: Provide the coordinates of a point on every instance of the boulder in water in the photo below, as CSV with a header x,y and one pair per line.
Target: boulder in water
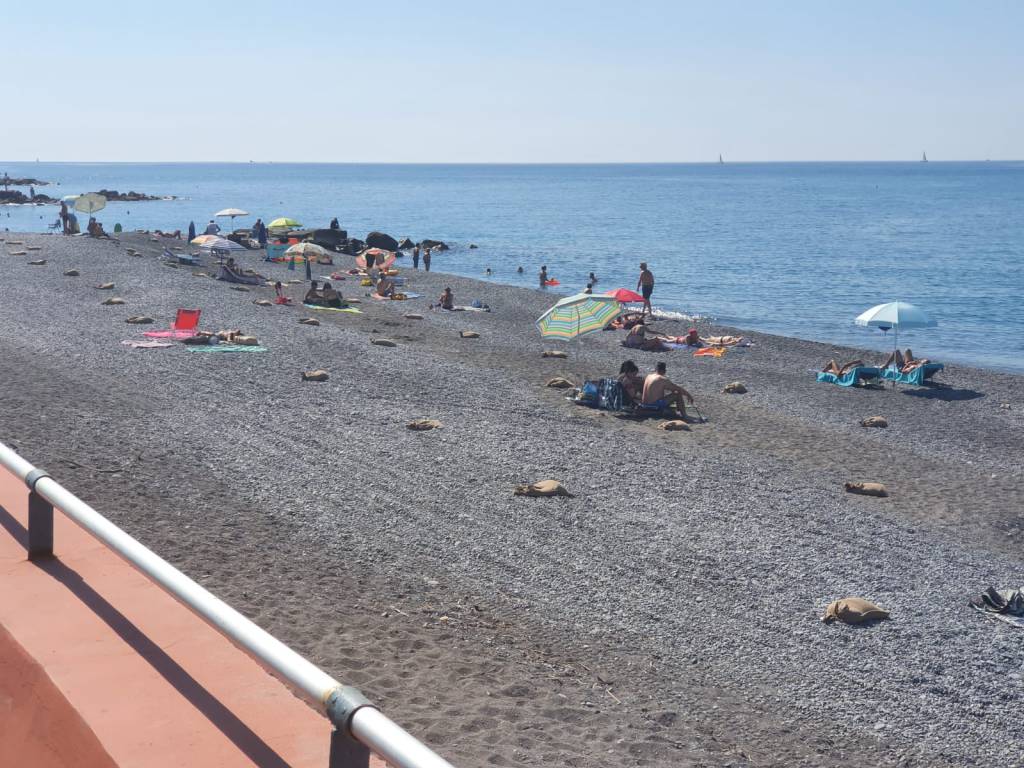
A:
x,y
381,240
434,245
405,244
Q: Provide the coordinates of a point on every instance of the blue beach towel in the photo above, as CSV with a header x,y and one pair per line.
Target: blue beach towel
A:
x,y
852,377
916,377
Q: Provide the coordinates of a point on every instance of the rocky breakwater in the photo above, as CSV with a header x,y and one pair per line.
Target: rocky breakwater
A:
x,y
113,196
14,197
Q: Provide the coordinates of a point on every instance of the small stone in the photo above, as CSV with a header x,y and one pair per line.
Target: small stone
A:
x,y
383,342
317,375
879,422
105,287
139,320
112,301
554,353
413,316
866,489
309,321
559,383
239,288
469,334
39,263
422,425
263,303
735,388
71,273
676,425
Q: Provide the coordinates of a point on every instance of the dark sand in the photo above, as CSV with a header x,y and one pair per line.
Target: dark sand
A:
x,y
666,616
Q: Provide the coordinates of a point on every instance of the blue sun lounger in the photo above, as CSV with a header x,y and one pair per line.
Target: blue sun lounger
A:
x,y
916,377
853,377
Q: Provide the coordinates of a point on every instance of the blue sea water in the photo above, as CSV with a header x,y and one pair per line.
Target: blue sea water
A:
x,y
793,248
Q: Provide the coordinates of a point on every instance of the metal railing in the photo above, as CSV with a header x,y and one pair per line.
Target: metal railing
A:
x,y
359,727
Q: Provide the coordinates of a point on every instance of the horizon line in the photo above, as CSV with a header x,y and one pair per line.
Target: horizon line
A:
x,y
501,163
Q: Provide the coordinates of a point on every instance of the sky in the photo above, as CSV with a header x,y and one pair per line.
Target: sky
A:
x,y
525,81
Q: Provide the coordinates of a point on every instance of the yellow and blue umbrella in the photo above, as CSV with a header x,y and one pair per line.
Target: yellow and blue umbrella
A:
x,y
578,315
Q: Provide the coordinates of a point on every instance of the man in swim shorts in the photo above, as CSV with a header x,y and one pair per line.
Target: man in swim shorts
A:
x,y
661,391
646,286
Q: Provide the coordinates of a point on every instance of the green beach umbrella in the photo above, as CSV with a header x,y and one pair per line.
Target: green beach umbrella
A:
x,y
578,315
283,223
90,203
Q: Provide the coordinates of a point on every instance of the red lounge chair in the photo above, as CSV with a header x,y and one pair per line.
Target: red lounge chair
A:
x,y
185,324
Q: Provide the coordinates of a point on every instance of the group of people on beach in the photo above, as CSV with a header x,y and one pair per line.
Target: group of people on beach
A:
x,y
326,296
900,361
655,391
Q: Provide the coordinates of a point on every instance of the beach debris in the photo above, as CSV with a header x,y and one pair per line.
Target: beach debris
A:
x,y
317,375
735,388
554,353
105,287
18,253
676,425
33,247
171,264
200,273
412,316
1004,406
239,288
469,334
246,341
112,301
309,321
875,421
39,263
1001,601
422,425
853,610
71,273
383,342
139,320
866,489
542,488
559,383
263,303
15,242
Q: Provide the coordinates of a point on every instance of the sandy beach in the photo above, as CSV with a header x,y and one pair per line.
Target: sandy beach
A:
x,y
667,615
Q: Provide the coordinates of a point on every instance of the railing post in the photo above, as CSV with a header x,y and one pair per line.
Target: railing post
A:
x,y
346,752
40,519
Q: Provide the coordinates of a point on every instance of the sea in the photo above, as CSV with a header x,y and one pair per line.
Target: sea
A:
x,y
798,249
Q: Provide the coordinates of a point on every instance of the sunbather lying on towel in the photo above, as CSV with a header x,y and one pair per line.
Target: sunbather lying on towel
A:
x,y
721,341
637,339
904,363
840,370
632,383
625,321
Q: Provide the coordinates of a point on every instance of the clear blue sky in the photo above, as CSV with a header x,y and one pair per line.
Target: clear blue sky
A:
x,y
524,81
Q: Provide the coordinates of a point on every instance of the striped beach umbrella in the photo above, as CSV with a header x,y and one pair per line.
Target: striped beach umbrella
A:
x,y
578,315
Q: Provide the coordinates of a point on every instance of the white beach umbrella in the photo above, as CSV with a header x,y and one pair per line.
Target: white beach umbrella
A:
x,y
90,203
221,244
232,212
896,315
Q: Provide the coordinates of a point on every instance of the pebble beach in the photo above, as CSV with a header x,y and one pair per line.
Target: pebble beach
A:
x,y
668,614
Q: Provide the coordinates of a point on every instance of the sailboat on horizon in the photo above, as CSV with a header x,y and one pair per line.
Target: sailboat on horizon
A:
x,y
924,157
720,160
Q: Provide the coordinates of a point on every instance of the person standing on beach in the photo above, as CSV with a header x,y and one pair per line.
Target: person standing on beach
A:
x,y
416,257
426,259
646,287
64,216
543,276
191,231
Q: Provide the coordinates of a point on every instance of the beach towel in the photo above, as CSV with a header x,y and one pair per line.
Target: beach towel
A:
x,y
916,377
350,310
710,352
852,377
1007,605
137,344
396,297
226,348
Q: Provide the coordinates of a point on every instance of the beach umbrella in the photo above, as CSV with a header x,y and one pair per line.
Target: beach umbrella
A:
x,y
308,251
897,315
90,203
219,244
578,315
381,259
284,223
232,212
624,295
204,239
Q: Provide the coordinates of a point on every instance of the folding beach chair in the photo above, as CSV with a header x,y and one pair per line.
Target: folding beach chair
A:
x,y
185,324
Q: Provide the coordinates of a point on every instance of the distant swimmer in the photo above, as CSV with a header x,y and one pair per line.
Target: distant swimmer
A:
x,y
488,272
646,286
520,270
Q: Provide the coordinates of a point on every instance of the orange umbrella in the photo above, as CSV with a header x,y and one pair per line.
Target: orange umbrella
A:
x,y
381,259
